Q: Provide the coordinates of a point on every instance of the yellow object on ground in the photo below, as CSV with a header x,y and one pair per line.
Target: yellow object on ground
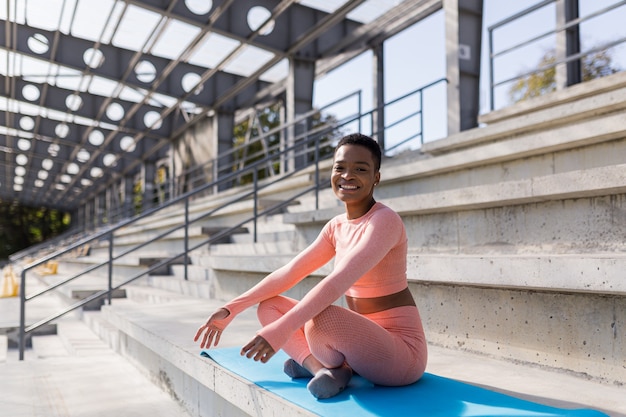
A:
x,y
10,285
49,268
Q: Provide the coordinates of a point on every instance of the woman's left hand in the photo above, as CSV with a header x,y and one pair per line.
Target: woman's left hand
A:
x,y
258,349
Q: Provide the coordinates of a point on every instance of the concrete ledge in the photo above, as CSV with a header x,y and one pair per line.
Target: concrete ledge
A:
x,y
561,273
570,136
153,341
583,101
569,95
575,184
249,263
589,273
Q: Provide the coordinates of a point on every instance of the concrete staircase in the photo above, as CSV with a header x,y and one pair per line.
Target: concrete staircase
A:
x,y
517,262
71,371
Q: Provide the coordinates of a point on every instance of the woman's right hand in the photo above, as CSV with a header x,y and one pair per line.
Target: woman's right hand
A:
x,y
211,330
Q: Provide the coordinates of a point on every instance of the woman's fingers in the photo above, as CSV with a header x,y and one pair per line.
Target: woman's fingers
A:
x,y
208,334
258,349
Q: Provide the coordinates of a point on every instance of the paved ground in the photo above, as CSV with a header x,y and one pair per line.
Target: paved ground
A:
x,y
73,374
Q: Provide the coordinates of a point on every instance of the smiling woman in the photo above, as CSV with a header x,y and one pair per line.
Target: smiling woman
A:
x,y
355,174
380,336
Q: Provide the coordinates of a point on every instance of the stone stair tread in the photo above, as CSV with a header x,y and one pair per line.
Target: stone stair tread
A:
x,y
75,386
49,346
170,330
4,346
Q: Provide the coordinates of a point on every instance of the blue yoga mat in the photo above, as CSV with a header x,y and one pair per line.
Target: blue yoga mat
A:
x,y
432,395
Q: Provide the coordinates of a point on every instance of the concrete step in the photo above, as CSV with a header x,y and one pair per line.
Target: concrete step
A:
x,y
4,346
74,373
267,247
158,339
74,386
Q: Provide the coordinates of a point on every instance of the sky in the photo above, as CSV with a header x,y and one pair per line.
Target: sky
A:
x,y
416,57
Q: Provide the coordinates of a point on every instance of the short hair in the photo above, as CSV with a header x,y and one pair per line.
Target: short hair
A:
x,y
365,141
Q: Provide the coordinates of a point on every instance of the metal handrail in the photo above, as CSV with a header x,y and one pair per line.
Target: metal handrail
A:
x,y
307,144
573,23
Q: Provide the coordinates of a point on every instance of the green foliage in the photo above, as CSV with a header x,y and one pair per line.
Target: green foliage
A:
x,y
22,226
543,81
250,150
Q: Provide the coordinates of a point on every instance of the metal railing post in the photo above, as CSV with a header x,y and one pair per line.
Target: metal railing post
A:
x,y
421,95
317,172
110,267
22,335
360,105
255,197
491,67
186,242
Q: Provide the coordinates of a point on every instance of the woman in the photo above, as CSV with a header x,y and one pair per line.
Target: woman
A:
x,y
380,336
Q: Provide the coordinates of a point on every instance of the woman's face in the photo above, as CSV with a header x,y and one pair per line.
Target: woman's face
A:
x,y
354,174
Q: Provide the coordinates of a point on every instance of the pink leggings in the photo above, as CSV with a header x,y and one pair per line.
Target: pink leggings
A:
x,y
387,348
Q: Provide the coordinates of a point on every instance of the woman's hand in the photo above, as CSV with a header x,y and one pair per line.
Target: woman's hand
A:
x,y
259,349
211,330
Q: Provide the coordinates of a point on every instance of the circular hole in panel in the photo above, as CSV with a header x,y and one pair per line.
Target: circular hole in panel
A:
x,y
190,81
20,171
42,174
109,160
127,144
257,16
39,183
17,187
73,102
73,168
27,123
145,71
31,92
83,155
152,120
199,7
96,172
38,43
93,58
23,144
54,149
66,178
96,138
47,164
115,111
18,180
21,159
62,130
59,187
86,182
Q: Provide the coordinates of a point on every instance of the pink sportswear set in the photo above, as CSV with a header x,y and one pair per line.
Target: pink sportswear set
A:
x,y
386,347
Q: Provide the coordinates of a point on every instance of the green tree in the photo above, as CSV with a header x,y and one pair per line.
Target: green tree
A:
x,y
542,82
22,226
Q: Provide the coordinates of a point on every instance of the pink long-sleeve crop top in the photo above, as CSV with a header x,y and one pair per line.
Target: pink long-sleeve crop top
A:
x,y
370,261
